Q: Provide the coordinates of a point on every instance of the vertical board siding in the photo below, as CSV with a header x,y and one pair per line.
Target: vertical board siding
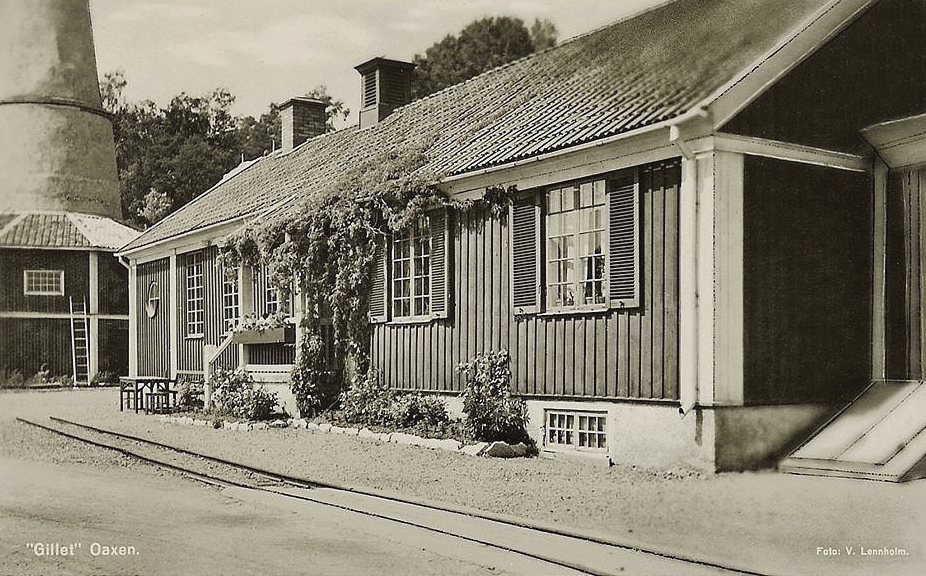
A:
x,y
153,332
191,349
13,263
27,343
609,354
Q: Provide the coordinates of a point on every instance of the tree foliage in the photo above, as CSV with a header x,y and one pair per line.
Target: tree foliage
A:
x,y
482,45
168,156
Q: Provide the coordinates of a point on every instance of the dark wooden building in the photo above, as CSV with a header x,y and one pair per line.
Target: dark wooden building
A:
x,y
63,295
710,251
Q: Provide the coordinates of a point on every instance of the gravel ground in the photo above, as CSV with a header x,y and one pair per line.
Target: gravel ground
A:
x,y
764,521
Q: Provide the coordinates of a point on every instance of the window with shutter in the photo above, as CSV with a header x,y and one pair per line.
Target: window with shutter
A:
x,y
411,275
525,258
576,246
590,246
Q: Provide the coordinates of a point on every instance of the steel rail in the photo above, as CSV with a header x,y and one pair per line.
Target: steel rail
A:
x,y
224,482
308,483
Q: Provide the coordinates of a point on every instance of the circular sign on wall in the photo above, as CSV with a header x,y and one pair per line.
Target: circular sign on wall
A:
x,y
154,298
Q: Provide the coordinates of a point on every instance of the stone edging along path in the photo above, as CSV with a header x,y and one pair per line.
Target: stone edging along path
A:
x,y
494,449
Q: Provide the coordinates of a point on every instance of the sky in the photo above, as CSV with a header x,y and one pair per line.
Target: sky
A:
x,y
267,51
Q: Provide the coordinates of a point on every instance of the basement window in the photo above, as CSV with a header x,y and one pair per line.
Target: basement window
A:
x,y
576,430
43,282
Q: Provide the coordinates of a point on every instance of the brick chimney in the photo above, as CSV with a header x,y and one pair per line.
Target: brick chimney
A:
x,y
384,86
301,119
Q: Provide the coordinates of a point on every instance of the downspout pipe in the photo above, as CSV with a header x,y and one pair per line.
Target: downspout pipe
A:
x,y
688,385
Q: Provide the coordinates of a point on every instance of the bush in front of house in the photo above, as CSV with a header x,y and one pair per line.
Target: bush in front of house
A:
x,y
491,413
314,384
417,410
12,379
368,401
104,377
190,394
234,394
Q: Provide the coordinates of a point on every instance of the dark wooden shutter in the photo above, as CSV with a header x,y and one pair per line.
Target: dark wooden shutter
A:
x,y
440,263
525,255
379,293
624,240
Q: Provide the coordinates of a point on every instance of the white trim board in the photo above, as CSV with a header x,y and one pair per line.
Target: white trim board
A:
x,y
59,315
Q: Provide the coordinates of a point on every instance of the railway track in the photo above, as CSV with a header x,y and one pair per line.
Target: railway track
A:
x,y
556,547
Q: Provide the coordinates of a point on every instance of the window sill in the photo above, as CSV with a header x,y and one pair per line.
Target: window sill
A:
x,y
195,336
576,311
412,320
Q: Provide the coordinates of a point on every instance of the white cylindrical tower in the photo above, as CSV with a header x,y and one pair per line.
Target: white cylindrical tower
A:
x,y
56,142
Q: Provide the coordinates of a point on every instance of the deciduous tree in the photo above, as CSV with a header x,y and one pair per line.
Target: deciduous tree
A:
x,y
482,45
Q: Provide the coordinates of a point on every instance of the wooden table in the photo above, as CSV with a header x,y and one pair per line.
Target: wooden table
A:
x,y
146,392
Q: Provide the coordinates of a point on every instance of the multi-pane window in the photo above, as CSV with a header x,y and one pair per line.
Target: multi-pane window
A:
x,y
230,310
411,271
271,299
195,315
576,233
577,430
43,282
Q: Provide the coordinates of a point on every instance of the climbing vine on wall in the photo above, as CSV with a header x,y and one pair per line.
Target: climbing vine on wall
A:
x,y
325,247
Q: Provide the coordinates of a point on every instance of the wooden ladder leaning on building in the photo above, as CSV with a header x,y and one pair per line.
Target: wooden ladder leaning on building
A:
x,y
80,341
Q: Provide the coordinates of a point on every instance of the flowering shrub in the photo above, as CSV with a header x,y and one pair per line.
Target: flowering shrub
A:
x,y
261,323
368,401
491,413
190,394
235,395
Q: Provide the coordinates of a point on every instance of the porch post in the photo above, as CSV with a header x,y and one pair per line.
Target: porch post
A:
x,y
688,286
133,319
705,277
174,313
245,305
879,273
728,278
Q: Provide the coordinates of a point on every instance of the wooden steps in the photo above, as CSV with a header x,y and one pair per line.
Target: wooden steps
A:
x,y
881,435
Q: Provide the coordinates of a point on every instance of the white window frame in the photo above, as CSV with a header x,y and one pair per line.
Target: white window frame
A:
x,y
563,430
43,282
195,297
231,302
597,199
418,278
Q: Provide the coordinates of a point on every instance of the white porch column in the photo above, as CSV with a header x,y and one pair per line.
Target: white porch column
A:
x,y
174,313
705,277
688,286
245,305
728,278
879,274
133,319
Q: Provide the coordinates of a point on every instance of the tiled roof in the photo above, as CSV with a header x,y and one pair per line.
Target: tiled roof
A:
x,y
631,74
62,230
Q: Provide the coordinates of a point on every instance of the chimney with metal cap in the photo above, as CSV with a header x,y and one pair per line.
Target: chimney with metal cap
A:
x,y
301,119
384,86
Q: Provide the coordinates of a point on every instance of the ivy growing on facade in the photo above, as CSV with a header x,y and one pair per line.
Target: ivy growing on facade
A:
x,y
325,247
